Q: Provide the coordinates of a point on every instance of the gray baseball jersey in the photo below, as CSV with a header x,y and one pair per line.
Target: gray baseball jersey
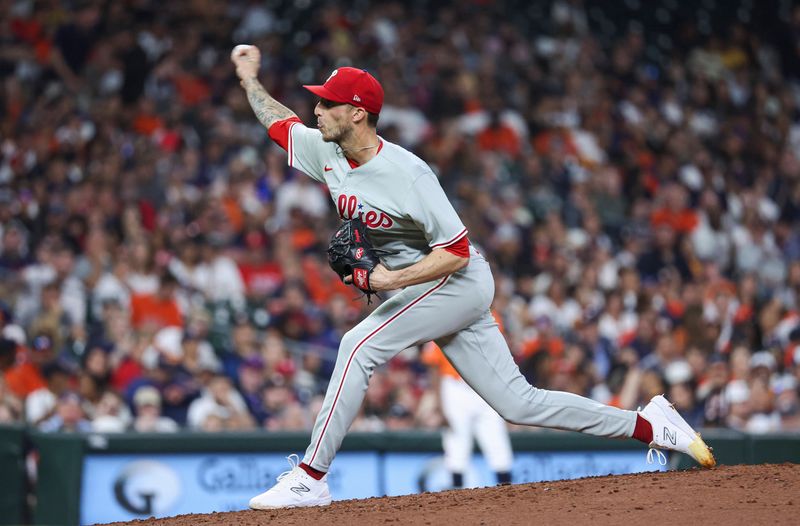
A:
x,y
400,199
396,194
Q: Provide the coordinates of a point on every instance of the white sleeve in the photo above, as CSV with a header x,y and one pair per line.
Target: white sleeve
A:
x,y
199,410
226,282
428,206
306,151
73,300
38,404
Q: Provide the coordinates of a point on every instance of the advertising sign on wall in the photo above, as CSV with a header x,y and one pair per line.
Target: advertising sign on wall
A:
x,y
119,487
125,487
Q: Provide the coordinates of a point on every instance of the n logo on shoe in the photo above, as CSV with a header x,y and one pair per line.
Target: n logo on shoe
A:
x,y
672,437
299,490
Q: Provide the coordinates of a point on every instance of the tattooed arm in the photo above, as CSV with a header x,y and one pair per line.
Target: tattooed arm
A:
x,y
268,110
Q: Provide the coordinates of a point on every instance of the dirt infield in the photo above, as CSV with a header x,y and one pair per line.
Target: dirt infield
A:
x,y
763,494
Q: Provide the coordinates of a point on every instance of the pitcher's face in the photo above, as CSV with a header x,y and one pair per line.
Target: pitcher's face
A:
x,y
334,120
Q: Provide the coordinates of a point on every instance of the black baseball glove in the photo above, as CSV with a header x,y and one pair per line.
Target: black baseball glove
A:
x,y
351,253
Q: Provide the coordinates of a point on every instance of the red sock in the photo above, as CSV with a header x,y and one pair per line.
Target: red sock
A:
x,y
313,473
643,430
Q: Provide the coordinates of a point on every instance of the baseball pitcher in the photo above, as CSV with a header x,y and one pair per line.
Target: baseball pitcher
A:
x,y
445,285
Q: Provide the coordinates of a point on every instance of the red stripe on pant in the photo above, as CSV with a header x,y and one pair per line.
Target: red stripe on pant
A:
x,y
352,355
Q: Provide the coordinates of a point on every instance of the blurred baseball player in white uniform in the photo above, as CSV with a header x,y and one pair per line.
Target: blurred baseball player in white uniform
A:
x,y
446,286
469,419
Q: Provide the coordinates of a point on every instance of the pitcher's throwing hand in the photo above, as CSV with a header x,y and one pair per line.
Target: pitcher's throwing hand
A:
x,y
247,59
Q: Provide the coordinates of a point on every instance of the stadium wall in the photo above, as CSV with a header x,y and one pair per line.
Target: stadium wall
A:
x,y
89,478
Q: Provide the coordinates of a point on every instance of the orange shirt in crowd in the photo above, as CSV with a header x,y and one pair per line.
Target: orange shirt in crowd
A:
x,y
303,239
322,283
23,377
682,221
148,309
553,345
146,124
234,213
500,139
192,89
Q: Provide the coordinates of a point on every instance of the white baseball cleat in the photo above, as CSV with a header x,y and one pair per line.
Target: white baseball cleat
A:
x,y
295,489
671,431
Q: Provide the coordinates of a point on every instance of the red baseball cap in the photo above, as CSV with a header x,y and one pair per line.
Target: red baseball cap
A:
x,y
352,86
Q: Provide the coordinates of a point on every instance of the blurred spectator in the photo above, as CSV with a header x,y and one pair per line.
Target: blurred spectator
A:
x,y
10,404
21,370
68,416
208,270
42,403
399,418
682,392
147,404
250,384
8,352
220,407
282,408
154,311
763,417
110,414
111,288
261,274
243,346
299,197
712,392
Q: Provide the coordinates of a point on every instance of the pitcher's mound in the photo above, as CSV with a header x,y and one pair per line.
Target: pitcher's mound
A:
x,y
728,495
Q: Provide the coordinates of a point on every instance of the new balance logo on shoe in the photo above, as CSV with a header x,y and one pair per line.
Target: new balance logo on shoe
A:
x,y
672,437
302,488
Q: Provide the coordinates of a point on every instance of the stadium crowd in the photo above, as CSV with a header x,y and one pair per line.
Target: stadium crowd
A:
x,y
632,172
